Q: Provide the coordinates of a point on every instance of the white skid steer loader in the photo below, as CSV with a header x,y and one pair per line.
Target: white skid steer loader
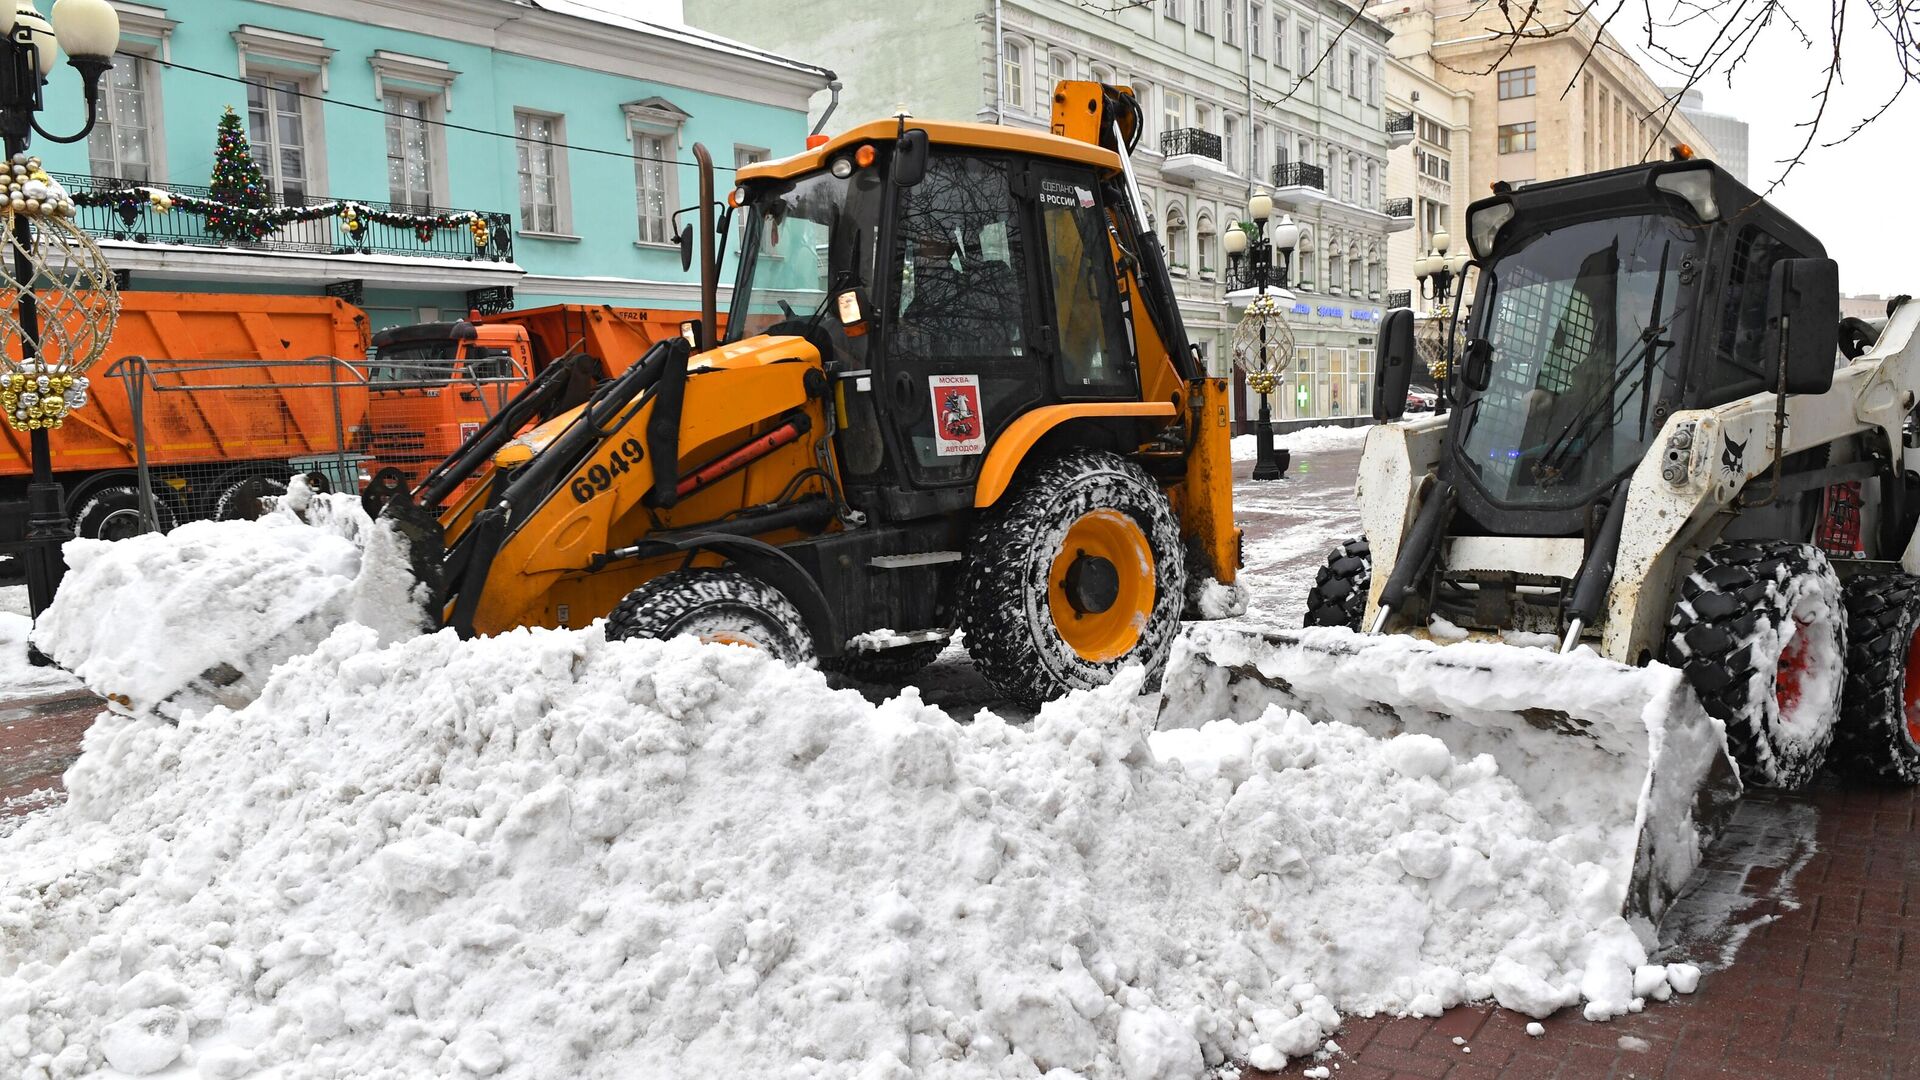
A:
x,y
1665,448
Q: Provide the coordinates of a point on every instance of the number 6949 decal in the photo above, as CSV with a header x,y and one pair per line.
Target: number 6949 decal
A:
x,y
599,476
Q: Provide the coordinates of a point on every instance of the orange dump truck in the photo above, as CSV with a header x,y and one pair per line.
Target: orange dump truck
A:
x,y
238,392
433,384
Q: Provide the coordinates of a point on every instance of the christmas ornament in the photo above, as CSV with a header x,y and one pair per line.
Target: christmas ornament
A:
x,y
28,189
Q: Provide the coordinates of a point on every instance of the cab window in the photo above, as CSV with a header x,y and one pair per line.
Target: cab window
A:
x,y
1738,368
1090,352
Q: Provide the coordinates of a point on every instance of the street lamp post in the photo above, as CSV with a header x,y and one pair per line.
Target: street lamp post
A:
x,y
1267,258
90,31
1437,273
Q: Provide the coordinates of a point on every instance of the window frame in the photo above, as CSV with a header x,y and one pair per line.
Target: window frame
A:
x,y
312,146
434,148
1507,133
1013,73
1526,78
558,178
154,135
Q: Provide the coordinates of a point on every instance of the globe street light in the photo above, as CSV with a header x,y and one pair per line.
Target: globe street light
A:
x,y
90,31
1266,263
1438,273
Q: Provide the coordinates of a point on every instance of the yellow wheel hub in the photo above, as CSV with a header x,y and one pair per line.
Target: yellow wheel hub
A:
x,y
1100,588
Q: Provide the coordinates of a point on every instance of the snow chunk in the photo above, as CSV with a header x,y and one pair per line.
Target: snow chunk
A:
x,y
145,1041
1419,756
1684,978
1155,1046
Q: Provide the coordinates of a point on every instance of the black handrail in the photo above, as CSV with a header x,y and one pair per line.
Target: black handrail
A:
x,y
1300,174
1190,141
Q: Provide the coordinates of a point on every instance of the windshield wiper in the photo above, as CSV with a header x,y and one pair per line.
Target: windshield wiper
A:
x,y
1588,414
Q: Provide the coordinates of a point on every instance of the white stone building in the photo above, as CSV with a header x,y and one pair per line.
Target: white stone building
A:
x,y
1229,111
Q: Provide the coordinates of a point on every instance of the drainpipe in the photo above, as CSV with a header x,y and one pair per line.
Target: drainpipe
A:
x,y
1246,50
999,70
833,84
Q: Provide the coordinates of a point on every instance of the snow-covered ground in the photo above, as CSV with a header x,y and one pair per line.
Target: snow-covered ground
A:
x,y
546,854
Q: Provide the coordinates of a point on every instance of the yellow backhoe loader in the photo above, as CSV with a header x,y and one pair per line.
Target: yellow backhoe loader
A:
x,y
954,394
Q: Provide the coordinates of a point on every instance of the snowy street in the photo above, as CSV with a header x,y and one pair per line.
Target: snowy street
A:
x,y
381,859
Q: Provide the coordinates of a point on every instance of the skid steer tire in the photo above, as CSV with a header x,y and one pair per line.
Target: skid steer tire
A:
x,y
1878,735
1339,593
893,666
1760,632
113,513
1075,574
715,605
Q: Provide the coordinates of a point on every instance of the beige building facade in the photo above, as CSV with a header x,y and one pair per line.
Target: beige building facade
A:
x,y
1435,162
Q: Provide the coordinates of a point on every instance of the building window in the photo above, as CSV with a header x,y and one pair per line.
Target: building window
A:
x,y
410,165
1229,22
1257,29
541,188
1373,81
1353,169
1200,22
1203,116
1171,9
1230,140
1306,150
121,144
1142,97
1433,165
1104,74
655,127
1059,70
1207,243
1431,131
1353,73
1176,237
1516,138
1173,110
1306,50
1013,74
743,156
1367,185
277,132
1280,39
1516,83
1259,148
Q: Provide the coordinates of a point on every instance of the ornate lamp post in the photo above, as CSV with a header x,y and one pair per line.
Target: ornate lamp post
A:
x,y
90,31
1438,273
1266,270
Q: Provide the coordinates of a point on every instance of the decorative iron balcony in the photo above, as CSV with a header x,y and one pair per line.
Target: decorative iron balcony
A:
x,y
1191,141
1400,123
1400,298
113,209
1300,174
1397,208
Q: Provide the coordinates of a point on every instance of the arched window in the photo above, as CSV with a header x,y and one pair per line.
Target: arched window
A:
x,y
1143,97
1104,74
1059,67
1356,285
1013,73
1176,236
1204,234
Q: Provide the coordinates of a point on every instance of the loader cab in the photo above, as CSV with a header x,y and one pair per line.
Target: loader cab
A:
x,y
946,307
1604,304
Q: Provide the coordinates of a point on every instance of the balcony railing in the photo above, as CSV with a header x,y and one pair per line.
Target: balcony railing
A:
x,y
117,211
1191,141
1300,174
1400,298
1400,123
1397,208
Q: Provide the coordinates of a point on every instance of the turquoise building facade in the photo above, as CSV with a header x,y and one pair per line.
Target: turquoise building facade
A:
x,y
498,152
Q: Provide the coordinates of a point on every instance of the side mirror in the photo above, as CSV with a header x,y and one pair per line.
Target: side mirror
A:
x,y
855,312
684,238
910,158
1803,319
1476,363
1393,366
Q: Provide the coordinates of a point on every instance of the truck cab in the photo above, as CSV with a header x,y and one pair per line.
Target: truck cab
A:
x,y
434,384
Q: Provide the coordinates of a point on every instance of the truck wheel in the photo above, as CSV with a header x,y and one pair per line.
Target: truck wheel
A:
x,y
113,513
1760,632
1879,730
240,500
714,605
1339,593
1078,573
895,665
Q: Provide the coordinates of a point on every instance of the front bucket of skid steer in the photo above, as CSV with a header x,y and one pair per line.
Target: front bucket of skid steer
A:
x,y
1621,762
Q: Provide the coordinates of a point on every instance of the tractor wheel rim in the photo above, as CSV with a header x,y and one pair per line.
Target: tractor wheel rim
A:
x,y
1790,673
1112,538
121,524
1911,698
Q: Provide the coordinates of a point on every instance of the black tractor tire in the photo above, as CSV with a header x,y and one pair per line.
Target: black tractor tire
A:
x,y
240,500
1339,593
1760,632
1035,633
1878,735
893,666
113,513
718,605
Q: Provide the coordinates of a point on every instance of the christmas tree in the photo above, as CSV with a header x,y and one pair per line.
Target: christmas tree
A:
x,y
238,189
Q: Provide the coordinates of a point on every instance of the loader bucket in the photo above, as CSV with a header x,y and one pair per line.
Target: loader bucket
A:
x,y
1623,764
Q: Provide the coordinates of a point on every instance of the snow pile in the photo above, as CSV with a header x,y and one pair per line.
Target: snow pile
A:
x,y
180,620
545,854
18,677
1304,440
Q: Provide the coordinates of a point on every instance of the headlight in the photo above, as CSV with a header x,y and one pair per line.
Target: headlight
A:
x,y
1694,185
1484,224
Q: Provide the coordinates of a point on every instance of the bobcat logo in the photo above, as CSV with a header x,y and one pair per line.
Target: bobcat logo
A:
x,y
1733,457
